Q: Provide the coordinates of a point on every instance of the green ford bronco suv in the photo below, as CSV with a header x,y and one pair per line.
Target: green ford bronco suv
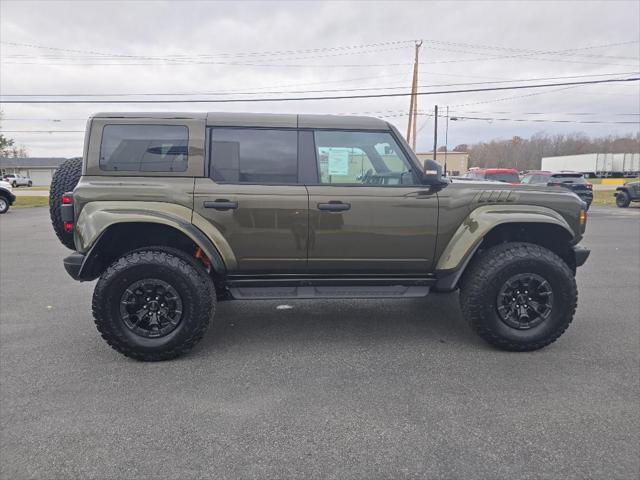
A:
x,y
173,212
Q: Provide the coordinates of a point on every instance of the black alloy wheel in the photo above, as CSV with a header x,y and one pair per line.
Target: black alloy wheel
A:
x,y
525,301
151,308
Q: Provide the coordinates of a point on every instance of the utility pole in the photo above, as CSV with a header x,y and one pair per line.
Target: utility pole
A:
x,y
446,142
413,105
435,132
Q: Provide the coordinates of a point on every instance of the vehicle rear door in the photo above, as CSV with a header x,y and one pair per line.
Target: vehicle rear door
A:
x,y
253,198
368,212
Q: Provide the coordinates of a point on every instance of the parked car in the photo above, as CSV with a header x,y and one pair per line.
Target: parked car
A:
x,y
574,181
17,180
505,175
627,193
175,212
6,196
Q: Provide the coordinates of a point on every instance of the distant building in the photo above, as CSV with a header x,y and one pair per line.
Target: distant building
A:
x,y
457,162
39,169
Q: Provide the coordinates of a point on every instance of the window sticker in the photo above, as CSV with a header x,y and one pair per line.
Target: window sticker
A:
x,y
339,161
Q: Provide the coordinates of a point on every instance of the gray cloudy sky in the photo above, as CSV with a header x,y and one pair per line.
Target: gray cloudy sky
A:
x,y
113,47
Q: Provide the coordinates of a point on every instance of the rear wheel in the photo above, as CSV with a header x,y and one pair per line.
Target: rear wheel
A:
x,y
623,199
519,296
64,180
153,305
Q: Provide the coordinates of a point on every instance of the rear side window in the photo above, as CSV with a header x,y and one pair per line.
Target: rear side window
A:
x,y
144,148
254,155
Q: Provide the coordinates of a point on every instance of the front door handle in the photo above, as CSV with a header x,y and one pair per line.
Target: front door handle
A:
x,y
221,204
334,206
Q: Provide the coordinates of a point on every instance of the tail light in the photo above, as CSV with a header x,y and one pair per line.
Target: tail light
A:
x,y
67,212
589,186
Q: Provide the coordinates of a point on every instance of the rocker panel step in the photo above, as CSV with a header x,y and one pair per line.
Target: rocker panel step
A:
x,y
329,291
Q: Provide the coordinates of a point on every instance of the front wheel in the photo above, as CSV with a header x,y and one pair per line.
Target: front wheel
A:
x,y
518,296
623,199
29,183
14,184
153,305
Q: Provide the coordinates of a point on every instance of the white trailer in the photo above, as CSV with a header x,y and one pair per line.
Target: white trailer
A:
x,y
596,164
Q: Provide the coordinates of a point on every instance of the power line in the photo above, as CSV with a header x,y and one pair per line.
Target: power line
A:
x,y
357,49
238,54
336,97
546,120
42,131
457,117
247,92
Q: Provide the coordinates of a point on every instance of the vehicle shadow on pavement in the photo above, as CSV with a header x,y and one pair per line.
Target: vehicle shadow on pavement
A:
x,y
434,320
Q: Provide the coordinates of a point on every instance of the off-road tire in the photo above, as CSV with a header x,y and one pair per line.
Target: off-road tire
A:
x,y
623,199
184,274
488,272
64,180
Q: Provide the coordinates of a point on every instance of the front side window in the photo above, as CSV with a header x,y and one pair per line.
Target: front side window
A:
x,y
368,158
144,148
254,155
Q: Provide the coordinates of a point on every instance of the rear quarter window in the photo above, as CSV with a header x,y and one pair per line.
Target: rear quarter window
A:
x,y
144,148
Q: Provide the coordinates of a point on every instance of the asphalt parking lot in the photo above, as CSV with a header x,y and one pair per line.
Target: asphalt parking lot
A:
x,y
326,389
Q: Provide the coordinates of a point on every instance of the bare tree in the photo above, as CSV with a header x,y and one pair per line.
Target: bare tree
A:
x,y
526,154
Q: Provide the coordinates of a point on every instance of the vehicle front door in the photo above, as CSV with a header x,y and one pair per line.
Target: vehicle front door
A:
x,y
368,212
252,197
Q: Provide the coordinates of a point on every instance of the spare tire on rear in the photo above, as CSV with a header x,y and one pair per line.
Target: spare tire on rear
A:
x,y
64,180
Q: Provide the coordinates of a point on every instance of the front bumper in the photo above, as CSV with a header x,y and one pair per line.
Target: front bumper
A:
x,y
581,254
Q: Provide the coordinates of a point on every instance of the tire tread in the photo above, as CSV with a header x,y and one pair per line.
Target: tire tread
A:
x,y
64,180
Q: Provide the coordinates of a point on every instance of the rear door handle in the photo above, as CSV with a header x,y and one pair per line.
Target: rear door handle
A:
x,y
221,204
334,206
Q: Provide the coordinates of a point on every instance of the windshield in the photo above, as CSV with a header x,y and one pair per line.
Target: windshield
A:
x,y
567,179
503,177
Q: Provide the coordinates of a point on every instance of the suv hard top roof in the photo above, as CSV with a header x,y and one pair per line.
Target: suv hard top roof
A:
x,y
277,120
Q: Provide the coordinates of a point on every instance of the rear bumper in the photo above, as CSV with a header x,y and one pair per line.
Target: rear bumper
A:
x,y
581,254
73,265
586,197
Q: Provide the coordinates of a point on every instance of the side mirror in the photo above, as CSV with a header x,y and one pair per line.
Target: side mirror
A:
x,y
432,172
